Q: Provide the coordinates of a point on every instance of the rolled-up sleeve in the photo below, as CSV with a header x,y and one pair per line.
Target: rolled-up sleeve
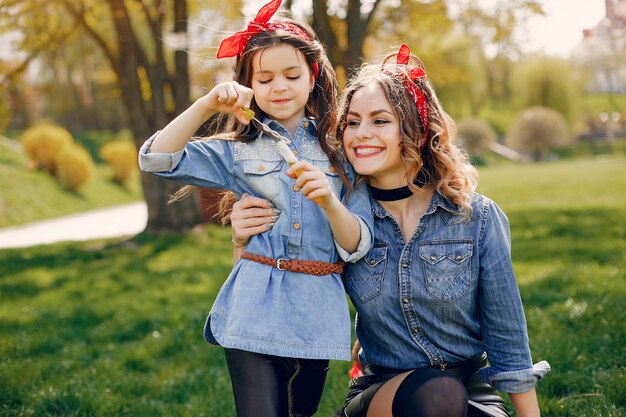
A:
x,y
502,320
515,381
202,163
157,162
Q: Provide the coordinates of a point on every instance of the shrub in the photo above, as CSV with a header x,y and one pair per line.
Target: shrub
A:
x,y
74,167
475,135
43,143
121,156
538,129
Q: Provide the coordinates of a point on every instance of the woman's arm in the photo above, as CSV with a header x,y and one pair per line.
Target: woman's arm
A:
x,y
250,216
525,403
226,97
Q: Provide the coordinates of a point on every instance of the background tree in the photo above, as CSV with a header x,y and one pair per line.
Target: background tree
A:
x,y
153,80
475,135
537,130
547,82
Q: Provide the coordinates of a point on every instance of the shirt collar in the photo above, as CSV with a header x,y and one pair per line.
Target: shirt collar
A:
x,y
437,200
308,124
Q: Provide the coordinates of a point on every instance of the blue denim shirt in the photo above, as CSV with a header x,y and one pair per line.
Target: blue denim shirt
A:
x,y
260,308
446,296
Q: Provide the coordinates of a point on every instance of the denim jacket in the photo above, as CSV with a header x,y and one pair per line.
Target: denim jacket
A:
x,y
446,296
260,308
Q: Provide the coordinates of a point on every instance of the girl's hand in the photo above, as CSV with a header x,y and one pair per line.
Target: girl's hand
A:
x,y
251,216
228,97
313,184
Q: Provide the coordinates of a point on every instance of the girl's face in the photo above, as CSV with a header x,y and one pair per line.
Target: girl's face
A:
x,y
372,138
282,82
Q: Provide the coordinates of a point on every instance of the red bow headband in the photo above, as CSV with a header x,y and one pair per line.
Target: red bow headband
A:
x,y
234,44
414,74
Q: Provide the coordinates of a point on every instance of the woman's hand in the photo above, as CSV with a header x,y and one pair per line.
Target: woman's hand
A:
x,y
313,184
228,97
251,216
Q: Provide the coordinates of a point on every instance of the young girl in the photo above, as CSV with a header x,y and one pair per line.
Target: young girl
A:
x,y
282,313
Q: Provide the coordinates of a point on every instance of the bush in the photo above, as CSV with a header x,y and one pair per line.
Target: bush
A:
x,y
121,156
537,130
475,135
74,167
43,143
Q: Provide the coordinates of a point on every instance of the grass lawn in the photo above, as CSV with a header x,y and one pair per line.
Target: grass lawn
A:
x,y
109,328
31,195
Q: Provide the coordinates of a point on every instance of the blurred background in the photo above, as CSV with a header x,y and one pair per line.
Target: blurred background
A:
x,y
112,327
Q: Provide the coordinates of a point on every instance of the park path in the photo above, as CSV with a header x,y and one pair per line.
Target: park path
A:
x,y
110,222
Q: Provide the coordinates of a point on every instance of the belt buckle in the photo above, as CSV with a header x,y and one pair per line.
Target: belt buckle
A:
x,y
278,261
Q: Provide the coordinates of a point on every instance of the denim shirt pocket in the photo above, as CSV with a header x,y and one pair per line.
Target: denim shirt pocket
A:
x,y
447,267
364,279
263,177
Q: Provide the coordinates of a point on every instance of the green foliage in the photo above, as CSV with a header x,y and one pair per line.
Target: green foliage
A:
x,y
74,167
475,135
43,143
547,82
121,156
28,195
108,328
538,129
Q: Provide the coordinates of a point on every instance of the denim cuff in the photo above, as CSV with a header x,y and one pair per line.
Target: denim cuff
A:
x,y
157,162
364,244
515,381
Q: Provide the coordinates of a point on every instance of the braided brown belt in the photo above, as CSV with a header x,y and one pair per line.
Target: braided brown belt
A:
x,y
294,265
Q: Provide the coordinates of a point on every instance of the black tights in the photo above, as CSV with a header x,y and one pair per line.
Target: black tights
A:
x,y
429,392
273,386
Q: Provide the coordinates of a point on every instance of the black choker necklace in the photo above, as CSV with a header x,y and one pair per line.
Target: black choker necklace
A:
x,y
400,193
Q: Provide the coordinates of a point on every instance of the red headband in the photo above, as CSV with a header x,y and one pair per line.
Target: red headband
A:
x,y
234,44
414,74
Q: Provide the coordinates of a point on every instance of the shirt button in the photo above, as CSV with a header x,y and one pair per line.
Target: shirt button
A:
x,y
405,265
405,300
295,153
296,188
331,169
296,226
306,124
433,258
260,168
458,258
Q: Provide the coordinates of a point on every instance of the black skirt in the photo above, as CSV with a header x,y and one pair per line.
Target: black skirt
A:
x,y
484,400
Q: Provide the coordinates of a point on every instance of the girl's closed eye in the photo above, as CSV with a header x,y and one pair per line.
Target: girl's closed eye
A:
x,y
381,121
352,123
265,81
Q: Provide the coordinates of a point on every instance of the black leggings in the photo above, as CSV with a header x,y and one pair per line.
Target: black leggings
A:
x,y
273,386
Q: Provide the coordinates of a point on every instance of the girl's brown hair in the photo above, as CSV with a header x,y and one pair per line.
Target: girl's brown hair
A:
x,y
322,103
435,158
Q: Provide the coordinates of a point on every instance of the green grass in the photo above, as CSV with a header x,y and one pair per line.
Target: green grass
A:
x,y
109,328
30,195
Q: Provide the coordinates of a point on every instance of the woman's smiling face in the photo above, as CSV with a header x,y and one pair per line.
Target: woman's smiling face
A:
x,y
372,138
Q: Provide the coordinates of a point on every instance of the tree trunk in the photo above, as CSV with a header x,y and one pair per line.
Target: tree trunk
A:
x,y
162,216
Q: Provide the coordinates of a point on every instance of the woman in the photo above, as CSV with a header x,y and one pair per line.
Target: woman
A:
x,y
436,294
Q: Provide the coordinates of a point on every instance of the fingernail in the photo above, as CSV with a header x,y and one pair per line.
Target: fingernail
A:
x,y
271,204
276,211
270,225
274,217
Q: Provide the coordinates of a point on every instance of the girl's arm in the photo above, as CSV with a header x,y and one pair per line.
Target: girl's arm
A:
x,y
226,97
315,186
525,403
